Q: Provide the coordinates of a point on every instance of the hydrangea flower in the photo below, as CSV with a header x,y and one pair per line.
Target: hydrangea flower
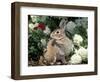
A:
x,y
83,53
76,59
32,26
43,41
47,30
34,18
77,39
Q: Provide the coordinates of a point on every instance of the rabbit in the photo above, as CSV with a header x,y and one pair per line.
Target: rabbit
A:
x,y
58,47
64,44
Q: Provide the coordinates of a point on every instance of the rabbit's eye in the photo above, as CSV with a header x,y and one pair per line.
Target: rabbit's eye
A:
x,y
57,32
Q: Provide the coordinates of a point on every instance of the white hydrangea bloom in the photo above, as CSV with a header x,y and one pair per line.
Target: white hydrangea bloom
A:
x,y
47,30
76,51
83,53
76,59
32,26
34,18
77,39
43,41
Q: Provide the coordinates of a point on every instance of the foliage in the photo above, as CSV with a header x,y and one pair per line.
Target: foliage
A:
x,y
34,44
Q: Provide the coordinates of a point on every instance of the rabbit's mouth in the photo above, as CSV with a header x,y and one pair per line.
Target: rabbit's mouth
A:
x,y
58,38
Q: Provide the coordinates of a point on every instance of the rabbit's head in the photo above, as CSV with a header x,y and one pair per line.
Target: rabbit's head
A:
x,y
58,34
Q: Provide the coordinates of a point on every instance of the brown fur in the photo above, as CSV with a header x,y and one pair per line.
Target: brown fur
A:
x,y
49,56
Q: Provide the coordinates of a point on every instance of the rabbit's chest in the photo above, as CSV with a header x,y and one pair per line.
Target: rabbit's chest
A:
x,y
65,48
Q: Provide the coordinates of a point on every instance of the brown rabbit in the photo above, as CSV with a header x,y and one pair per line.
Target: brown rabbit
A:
x,y
63,43
58,47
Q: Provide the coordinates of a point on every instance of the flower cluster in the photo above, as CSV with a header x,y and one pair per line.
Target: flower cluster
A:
x,y
81,54
33,26
75,59
77,39
37,22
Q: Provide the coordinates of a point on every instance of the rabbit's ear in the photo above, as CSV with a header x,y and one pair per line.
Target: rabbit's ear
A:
x,y
63,23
